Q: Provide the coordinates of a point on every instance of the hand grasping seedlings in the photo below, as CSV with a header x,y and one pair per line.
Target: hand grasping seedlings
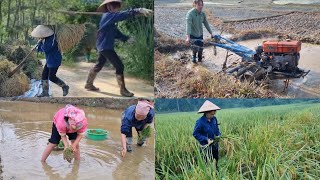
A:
x,y
210,141
68,154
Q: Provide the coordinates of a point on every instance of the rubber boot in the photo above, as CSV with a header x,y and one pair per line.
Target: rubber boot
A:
x,y
88,57
129,144
200,56
89,85
45,88
140,141
64,86
123,89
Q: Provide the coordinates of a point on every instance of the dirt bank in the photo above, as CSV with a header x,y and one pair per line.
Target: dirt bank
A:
x,y
110,103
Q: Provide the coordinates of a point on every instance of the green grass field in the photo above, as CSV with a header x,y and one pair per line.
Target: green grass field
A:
x,y
272,142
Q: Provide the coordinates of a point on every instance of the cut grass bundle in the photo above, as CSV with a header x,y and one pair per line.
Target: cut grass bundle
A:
x,y
68,154
68,35
32,67
14,86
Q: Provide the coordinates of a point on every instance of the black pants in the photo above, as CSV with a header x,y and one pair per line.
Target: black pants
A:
x,y
129,134
114,59
50,74
198,49
210,153
55,136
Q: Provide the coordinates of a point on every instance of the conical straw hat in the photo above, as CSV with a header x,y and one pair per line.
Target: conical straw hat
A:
x,y
102,7
208,106
42,31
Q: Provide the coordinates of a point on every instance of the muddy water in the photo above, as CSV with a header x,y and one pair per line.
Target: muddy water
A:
x,y
24,131
307,87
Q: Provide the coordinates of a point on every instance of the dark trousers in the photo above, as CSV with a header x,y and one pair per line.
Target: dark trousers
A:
x,y
129,134
50,74
210,153
114,59
198,47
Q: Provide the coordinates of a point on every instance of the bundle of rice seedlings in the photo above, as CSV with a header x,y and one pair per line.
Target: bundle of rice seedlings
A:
x,y
68,35
14,86
145,133
61,145
68,154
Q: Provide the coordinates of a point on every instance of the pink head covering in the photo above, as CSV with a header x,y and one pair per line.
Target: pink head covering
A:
x,y
76,116
143,107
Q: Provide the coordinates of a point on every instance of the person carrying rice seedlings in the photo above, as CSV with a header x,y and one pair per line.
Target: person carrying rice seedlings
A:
x,y
49,46
68,121
207,132
195,18
107,34
140,117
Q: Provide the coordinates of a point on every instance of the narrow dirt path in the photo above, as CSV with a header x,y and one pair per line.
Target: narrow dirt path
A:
x,y
106,80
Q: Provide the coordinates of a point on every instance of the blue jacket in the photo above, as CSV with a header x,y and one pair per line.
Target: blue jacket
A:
x,y
205,130
108,30
129,121
50,48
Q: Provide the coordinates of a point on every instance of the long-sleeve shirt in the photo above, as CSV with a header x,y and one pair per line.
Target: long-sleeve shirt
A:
x,y
62,126
129,120
195,19
50,47
205,129
108,30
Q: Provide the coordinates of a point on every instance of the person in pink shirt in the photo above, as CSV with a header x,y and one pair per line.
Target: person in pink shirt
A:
x,y
68,121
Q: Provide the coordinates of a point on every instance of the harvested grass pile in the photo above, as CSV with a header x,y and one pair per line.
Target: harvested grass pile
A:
x,y
68,154
175,79
15,54
165,44
14,86
146,133
68,35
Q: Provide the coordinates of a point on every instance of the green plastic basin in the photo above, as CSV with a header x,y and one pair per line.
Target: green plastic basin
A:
x,y
97,134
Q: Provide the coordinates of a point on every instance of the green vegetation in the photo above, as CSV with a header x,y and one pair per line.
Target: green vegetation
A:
x,y
272,142
146,133
68,154
93,131
60,145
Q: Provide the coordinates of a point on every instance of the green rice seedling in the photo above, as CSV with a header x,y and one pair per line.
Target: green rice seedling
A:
x,y
145,133
68,154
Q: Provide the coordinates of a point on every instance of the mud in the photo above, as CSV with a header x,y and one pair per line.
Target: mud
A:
x,y
25,130
302,24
